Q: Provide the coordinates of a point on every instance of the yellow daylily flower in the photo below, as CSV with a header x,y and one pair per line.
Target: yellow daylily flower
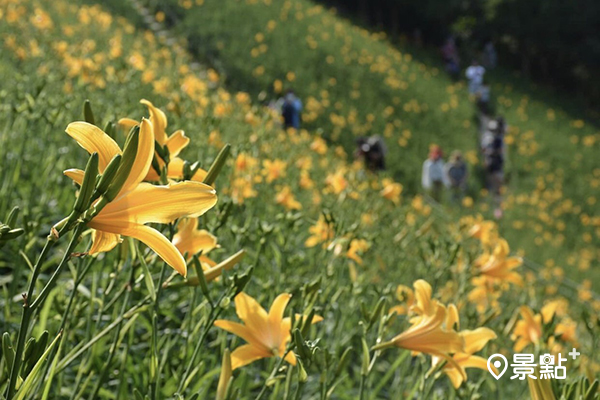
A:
x,y
274,170
357,246
497,266
267,334
430,336
405,295
190,240
475,340
391,191
528,330
321,232
139,203
485,231
175,143
286,198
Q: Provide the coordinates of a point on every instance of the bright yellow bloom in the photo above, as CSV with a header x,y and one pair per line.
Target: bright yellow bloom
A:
x,y
336,182
498,266
475,340
357,246
528,330
319,146
391,191
305,181
321,232
286,198
190,240
274,170
175,143
139,203
267,334
405,295
242,189
485,231
244,163
429,336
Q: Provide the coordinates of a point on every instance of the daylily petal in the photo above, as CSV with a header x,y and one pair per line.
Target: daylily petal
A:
x,y
249,311
128,123
177,142
75,174
476,339
238,330
291,358
161,204
143,158
103,241
246,354
276,315
476,362
147,235
94,140
159,121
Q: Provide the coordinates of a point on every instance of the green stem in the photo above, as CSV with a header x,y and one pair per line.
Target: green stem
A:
x,y
273,373
215,312
29,306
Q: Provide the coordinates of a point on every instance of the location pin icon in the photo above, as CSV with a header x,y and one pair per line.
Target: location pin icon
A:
x,y
497,364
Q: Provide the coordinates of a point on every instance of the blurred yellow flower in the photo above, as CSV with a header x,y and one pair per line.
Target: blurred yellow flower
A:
x,y
357,247
528,329
321,232
286,198
274,170
190,240
391,191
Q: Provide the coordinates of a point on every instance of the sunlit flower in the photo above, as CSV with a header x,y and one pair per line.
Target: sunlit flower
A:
x,y
267,334
391,191
286,198
321,232
336,182
528,329
190,240
274,170
174,143
139,203
357,247
498,266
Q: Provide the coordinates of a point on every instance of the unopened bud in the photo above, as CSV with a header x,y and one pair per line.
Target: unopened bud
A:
x,y
107,176
129,155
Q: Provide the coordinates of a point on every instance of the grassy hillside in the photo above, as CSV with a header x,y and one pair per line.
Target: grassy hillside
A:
x,y
354,82
347,246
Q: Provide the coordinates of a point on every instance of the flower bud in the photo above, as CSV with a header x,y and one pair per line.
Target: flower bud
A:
x,y
129,155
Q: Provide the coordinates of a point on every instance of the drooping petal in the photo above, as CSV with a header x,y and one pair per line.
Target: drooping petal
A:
x,y
161,204
177,142
94,140
476,362
75,174
103,241
143,158
128,123
159,121
246,354
476,339
147,235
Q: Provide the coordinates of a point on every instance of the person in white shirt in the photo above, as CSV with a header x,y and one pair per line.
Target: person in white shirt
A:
x,y
475,75
434,178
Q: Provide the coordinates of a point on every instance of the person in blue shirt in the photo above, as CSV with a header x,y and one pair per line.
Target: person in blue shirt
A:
x,y
290,110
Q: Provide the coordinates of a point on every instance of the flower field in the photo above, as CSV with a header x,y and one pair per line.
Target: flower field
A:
x,y
162,237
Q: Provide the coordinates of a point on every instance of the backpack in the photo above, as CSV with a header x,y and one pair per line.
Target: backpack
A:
x,y
457,172
496,158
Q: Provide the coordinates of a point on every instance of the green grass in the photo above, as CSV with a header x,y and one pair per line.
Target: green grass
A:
x,y
359,83
111,330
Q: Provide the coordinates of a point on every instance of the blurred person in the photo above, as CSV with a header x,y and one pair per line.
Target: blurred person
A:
x,y
456,175
494,158
475,75
290,110
484,95
490,57
451,58
372,151
433,177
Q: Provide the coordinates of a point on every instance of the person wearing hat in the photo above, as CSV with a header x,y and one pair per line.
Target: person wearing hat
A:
x,y
433,178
